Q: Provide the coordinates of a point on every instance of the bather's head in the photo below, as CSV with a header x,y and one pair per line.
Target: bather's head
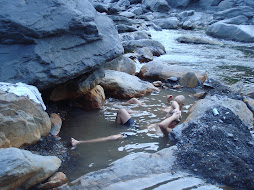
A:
x,y
180,99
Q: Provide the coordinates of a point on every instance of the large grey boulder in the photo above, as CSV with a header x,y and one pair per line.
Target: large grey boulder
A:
x,y
241,33
122,85
22,121
167,23
22,169
46,43
218,147
156,6
233,12
179,3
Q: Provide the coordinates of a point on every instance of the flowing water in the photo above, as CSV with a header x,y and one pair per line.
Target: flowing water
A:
x,y
229,63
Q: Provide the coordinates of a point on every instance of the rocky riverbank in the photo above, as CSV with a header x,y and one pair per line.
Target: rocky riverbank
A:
x,y
82,52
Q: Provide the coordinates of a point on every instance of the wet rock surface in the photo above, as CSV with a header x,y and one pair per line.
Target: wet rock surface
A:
x,y
218,147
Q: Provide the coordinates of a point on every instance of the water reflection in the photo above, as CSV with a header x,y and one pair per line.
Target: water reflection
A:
x,y
84,125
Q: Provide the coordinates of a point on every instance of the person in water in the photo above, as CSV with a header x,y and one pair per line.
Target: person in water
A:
x,y
173,115
123,117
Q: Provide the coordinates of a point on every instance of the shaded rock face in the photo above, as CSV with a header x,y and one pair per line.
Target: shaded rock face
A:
x,y
156,6
122,85
21,168
22,121
42,47
218,147
92,100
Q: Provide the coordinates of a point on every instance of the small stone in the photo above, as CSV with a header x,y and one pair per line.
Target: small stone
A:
x,y
177,86
56,180
157,83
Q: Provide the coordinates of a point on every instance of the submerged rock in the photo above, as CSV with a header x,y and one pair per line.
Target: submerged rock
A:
x,y
196,40
122,85
21,168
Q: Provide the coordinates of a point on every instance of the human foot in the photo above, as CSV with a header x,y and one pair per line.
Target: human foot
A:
x,y
74,142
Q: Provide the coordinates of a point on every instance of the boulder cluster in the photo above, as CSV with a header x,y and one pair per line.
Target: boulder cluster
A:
x,y
83,51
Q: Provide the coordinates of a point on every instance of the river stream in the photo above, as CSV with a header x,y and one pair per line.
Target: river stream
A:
x,y
229,63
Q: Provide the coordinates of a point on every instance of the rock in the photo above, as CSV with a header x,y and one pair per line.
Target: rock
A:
x,y
239,20
156,47
113,9
92,100
135,1
189,80
161,71
22,121
172,79
125,28
4,143
22,169
157,83
122,85
197,40
178,3
188,25
156,6
249,103
236,88
199,94
234,12
206,142
100,7
56,124
138,35
56,180
249,93
123,3
123,64
75,88
128,14
167,23
241,33
236,106
136,10
45,49
144,54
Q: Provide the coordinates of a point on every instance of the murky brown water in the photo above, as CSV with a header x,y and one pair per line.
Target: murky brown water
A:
x,y
84,125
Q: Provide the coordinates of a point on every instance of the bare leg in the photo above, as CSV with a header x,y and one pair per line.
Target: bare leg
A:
x,y
122,116
75,142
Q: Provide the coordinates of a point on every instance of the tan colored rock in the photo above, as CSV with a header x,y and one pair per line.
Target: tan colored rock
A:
x,y
122,85
92,100
199,94
4,143
161,71
189,80
56,180
56,124
22,121
21,169
157,83
250,103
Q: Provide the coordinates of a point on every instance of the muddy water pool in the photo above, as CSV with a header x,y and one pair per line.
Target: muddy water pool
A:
x,y
84,125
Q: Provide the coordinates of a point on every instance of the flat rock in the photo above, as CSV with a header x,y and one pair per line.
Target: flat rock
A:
x,y
122,85
162,71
